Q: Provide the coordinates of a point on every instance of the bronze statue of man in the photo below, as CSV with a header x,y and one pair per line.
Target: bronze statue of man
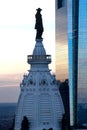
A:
x,y
39,24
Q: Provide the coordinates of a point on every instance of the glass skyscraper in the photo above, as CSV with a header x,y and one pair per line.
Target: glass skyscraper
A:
x,y
77,51
61,40
71,54
62,53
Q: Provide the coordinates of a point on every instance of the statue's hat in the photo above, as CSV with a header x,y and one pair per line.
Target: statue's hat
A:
x,y
39,9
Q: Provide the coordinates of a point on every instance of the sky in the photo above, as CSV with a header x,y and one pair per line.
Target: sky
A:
x,y
17,40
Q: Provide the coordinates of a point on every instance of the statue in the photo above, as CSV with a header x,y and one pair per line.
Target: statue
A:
x,y
25,124
39,24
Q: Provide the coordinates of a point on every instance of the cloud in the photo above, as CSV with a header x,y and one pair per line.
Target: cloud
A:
x,y
10,80
10,87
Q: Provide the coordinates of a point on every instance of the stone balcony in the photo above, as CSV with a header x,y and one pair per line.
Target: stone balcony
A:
x,y
39,59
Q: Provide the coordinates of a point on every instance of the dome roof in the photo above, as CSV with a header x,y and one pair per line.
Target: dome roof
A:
x,y
39,48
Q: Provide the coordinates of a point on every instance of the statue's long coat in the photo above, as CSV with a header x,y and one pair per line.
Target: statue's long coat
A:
x,y
39,24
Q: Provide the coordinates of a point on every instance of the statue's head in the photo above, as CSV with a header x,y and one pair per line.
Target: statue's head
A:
x,y
39,10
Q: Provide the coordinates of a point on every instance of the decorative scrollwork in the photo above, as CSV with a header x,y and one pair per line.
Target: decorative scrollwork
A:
x,y
31,82
43,82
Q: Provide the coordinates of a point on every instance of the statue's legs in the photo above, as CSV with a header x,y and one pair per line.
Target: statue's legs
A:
x,y
39,34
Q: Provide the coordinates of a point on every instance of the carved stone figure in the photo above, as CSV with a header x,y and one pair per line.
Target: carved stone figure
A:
x,y
39,24
25,124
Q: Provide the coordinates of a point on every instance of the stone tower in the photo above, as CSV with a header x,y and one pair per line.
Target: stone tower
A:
x,y
39,99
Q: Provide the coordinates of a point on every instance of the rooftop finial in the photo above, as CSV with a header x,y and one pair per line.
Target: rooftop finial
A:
x,y
39,24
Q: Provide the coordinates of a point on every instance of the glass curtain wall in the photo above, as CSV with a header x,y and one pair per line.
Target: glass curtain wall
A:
x,y
77,51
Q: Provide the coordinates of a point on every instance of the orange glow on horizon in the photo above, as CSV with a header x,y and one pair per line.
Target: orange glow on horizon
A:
x,y
61,61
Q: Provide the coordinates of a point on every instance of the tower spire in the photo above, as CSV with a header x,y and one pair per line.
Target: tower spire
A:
x,y
39,56
39,98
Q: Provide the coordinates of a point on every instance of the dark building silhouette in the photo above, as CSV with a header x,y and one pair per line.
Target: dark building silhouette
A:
x,y
59,3
64,91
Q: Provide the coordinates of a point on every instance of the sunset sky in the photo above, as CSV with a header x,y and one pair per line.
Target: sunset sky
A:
x,y
17,40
